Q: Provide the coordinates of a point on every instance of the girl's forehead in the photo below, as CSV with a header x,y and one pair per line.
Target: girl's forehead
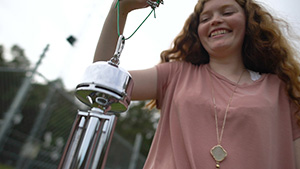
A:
x,y
217,4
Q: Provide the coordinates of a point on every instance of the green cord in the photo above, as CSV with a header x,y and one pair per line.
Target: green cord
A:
x,y
118,19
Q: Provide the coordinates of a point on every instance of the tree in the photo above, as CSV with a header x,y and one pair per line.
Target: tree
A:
x,y
2,61
11,78
138,119
19,59
49,97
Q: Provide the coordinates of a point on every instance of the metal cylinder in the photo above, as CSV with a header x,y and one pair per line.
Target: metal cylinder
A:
x,y
89,140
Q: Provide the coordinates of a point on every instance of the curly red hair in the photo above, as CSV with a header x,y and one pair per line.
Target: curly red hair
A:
x,y
265,47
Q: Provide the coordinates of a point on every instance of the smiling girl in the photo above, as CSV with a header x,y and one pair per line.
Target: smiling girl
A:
x,y
228,89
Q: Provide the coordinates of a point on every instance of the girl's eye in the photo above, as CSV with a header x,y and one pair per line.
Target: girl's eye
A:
x,y
204,19
228,13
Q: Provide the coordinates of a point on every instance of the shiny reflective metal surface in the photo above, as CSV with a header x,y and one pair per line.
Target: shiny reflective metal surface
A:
x,y
105,85
106,88
89,140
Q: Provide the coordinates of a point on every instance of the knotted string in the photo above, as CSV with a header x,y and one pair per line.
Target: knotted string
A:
x,y
118,18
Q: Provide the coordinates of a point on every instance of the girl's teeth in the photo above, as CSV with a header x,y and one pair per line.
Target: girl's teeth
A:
x,y
219,32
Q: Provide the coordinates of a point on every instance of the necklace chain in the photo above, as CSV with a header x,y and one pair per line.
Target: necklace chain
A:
x,y
220,135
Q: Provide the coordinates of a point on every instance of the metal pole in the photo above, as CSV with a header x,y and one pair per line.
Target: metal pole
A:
x,y
135,151
26,158
18,100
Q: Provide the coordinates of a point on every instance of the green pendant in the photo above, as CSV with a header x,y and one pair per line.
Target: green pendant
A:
x,y
218,153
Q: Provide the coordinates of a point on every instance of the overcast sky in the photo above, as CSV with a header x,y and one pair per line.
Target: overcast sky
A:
x,y
32,24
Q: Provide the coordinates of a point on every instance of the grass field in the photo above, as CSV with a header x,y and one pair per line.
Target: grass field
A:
x,y
5,167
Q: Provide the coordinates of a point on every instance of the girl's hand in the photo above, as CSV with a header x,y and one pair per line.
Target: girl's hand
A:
x,y
130,5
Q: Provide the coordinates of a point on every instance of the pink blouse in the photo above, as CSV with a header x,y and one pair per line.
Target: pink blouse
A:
x,y
260,127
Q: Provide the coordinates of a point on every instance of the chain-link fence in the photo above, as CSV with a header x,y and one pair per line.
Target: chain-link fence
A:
x,y
41,125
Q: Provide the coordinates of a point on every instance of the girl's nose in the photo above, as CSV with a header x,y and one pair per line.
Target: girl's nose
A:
x,y
216,20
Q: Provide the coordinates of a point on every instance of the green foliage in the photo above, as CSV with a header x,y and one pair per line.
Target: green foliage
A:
x,y
19,58
2,61
49,97
62,117
5,167
14,79
11,78
31,108
138,119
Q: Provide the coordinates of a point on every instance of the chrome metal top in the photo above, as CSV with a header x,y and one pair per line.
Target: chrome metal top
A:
x,y
105,86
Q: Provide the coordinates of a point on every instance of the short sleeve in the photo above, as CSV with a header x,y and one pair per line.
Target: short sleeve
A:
x,y
165,73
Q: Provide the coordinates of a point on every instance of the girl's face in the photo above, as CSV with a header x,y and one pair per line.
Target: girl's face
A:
x,y
222,27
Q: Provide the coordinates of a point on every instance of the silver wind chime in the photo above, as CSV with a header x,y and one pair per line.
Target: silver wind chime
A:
x,y
106,88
